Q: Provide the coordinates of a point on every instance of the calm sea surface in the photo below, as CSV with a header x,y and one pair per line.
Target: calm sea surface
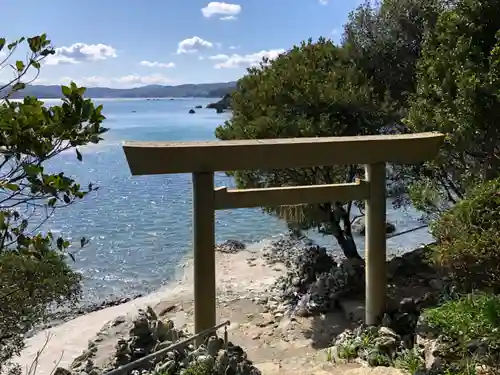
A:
x,y
140,227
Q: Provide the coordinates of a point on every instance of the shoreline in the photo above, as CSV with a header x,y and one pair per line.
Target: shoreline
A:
x,y
276,306
228,247
236,279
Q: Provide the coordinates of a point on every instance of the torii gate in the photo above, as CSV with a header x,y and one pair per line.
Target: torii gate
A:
x,y
202,159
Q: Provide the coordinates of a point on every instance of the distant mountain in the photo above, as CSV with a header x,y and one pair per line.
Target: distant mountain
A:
x,y
206,90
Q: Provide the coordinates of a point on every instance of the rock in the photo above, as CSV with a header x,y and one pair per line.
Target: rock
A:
x,y
315,282
404,323
408,305
230,246
119,320
425,330
192,111
221,105
386,344
198,106
148,333
61,371
358,226
386,331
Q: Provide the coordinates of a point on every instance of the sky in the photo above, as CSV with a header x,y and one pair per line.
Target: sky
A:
x,y
167,42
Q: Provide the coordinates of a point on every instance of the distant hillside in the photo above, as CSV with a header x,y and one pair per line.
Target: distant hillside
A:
x,y
206,90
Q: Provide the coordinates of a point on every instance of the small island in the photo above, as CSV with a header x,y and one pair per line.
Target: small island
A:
x,y
222,105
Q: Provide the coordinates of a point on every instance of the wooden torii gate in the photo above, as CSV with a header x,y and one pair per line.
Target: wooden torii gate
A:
x,y
202,159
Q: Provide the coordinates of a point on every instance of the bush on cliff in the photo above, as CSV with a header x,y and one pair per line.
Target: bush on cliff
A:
x,y
34,274
468,238
310,91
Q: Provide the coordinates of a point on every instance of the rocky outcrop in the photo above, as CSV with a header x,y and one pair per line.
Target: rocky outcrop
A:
x,y
149,333
222,105
230,246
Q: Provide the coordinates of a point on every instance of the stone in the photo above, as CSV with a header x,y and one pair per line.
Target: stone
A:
x,y
230,246
358,226
425,330
119,320
61,371
408,305
192,111
213,346
386,343
354,310
386,331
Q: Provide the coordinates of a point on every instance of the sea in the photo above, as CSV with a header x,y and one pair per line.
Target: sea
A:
x,y
139,227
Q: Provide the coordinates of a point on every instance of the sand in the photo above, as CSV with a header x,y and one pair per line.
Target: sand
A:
x,y
289,345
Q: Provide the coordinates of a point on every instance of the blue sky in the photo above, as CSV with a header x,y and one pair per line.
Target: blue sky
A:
x,y
134,43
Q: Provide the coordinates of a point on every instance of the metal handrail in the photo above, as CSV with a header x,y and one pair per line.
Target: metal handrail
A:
x,y
153,356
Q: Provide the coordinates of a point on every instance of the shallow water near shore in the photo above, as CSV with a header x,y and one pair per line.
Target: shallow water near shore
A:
x,y
140,227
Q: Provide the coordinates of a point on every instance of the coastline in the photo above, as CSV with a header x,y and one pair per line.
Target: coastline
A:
x,y
241,275
285,300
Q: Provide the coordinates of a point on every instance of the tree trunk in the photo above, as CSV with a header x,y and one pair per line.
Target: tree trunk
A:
x,y
344,236
348,246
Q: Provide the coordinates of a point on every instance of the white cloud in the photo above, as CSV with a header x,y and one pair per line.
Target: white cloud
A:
x,y
225,10
244,61
80,52
228,18
234,47
193,45
156,64
323,2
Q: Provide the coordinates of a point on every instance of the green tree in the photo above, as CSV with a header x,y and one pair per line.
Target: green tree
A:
x,y
310,91
384,41
458,94
34,274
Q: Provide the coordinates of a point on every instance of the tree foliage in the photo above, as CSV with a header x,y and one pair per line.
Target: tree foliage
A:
x,y
458,94
310,91
34,274
385,40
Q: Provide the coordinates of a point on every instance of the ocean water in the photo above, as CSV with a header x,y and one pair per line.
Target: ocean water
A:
x,y
140,227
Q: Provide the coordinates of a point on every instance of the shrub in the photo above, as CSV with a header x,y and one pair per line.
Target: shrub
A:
x,y
468,238
473,323
471,317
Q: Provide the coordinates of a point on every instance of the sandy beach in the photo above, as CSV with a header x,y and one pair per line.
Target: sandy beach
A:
x,y
277,346
238,277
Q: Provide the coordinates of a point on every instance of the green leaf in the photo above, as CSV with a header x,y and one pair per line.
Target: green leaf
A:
x,y
18,86
31,169
35,64
2,43
13,187
35,44
66,199
78,155
20,65
66,91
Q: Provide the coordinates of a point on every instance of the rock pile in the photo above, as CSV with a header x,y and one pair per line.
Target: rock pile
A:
x,y
148,334
230,246
315,280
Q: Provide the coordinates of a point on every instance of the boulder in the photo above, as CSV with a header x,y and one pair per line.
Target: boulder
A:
x,y
358,226
230,246
192,111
